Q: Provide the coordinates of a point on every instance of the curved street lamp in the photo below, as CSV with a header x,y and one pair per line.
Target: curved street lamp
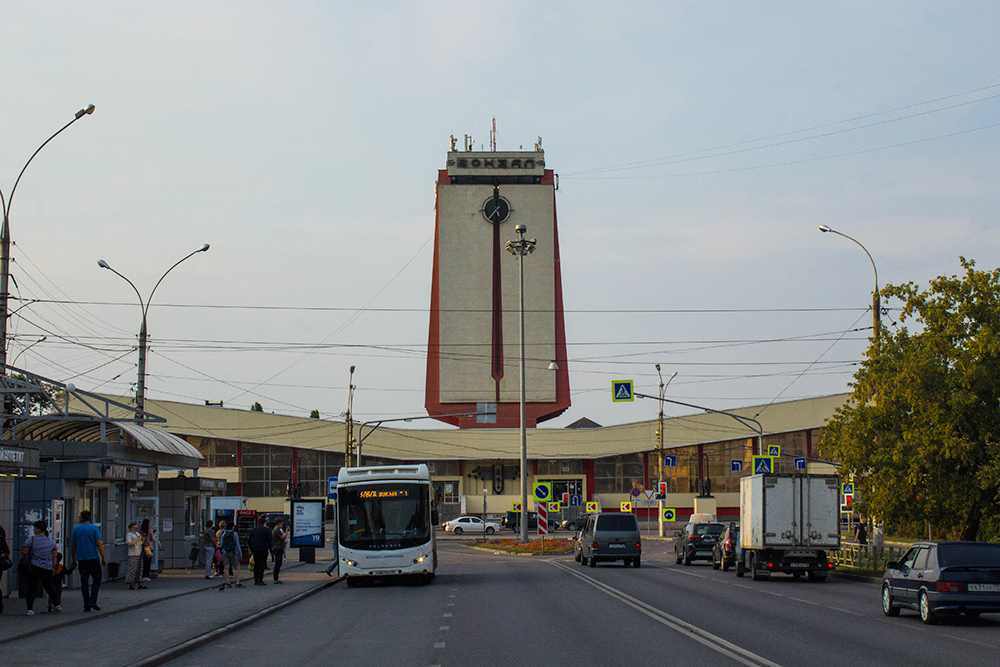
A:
x,y
5,236
876,305
140,390
18,355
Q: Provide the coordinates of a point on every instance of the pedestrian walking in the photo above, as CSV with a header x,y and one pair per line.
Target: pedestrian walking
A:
x,y
5,559
86,550
148,547
231,554
278,537
260,542
40,550
133,573
209,544
861,532
58,581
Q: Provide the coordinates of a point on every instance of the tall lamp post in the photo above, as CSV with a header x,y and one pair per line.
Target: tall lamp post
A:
x,y
659,440
140,390
520,248
876,305
5,236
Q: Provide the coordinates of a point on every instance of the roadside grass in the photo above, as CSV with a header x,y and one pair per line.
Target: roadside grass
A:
x,y
553,546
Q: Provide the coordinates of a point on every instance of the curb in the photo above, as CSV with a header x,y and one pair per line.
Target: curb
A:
x,y
195,643
112,612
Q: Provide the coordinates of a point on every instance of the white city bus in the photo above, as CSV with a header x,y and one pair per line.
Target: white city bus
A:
x,y
384,526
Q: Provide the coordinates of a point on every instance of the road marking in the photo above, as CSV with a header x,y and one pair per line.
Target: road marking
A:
x,y
806,601
779,595
714,642
963,639
846,611
443,627
438,644
447,615
451,604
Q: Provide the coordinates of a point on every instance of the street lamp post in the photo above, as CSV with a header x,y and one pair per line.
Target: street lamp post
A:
x,y
18,355
520,248
876,304
659,441
5,236
140,390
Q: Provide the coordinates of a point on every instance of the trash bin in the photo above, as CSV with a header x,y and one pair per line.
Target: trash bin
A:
x,y
113,570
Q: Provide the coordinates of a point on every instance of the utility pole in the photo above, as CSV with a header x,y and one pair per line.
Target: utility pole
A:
x,y
659,443
349,422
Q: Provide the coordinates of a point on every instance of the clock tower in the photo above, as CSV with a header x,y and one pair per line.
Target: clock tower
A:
x,y
473,346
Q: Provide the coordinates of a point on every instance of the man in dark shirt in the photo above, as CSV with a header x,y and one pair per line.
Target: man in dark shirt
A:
x,y
861,532
260,542
278,536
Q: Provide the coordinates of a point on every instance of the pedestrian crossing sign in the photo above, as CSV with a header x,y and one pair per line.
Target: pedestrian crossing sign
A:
x,y
848,488
592,507
774,450
621,391
763,465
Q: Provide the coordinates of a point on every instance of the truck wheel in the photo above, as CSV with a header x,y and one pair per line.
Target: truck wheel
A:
x,y
635,562
755,573
741,569
725,564
888,608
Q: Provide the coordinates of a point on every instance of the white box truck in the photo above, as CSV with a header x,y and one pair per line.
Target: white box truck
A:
x,y
787,524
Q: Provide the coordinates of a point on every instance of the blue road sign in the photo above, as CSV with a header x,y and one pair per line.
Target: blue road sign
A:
x,y
621,390
331,493
542,492
848,488
575,500
736,465
669,515
670,461
800,464
774,450
763,465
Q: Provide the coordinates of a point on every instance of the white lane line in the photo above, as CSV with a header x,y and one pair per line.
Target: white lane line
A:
x,y
963,639
846,611
438,644
817,604
447,615
443,627
714,642
778,595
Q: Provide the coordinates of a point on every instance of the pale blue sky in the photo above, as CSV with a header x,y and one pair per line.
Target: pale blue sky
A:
x,y
302,141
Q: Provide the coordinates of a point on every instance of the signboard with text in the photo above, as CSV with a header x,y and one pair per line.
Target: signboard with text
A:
x,y
307,523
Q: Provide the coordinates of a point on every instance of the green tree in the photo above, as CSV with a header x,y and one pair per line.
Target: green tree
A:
x,y
256,407
922,429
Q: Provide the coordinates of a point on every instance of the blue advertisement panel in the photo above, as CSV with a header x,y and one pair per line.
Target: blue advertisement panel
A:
x,y
307,523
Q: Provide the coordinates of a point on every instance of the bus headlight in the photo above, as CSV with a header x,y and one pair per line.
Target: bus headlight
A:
x,y
419,559
352,563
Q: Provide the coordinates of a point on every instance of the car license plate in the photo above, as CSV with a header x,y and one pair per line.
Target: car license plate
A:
x,y
984,588
382,573
799,564
616,546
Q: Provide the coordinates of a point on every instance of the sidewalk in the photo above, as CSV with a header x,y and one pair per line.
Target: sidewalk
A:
x,y
115,597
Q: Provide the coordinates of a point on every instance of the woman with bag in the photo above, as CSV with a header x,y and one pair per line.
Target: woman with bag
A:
x,y
148,544
210,543
134,569
39,556
5,562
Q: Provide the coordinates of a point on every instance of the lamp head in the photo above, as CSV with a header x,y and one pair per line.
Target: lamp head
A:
x,y
824,228
203,248
657,367
352,369
104,265
553,366
85,112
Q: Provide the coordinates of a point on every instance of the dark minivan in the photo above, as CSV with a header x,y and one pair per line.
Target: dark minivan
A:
x,y
610,536
938,578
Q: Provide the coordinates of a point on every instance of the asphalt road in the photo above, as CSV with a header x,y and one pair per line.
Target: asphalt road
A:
x,y
494,609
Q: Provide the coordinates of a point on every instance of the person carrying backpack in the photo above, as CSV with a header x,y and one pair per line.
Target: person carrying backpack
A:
x,y
231,554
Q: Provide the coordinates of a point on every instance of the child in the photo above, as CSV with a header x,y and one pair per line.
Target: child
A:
x,y
59,573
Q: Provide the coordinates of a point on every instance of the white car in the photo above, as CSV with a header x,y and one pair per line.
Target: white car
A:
x,y
470,524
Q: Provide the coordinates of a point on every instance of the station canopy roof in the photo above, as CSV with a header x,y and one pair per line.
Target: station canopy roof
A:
x,y
83,428
470,444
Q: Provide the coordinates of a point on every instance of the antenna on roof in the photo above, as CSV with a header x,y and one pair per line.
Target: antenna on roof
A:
x,y
493,136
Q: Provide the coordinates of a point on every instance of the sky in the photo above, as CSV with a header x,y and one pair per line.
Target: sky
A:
x,y
698,147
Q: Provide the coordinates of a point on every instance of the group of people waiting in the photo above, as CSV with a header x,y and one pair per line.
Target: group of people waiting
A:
x,y
222,552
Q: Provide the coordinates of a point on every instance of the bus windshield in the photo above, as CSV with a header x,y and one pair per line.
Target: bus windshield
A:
x,y
376,517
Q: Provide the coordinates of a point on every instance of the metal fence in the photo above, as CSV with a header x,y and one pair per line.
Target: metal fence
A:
x,y
866,557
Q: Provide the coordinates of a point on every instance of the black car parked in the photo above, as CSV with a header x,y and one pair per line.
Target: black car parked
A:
x,y
576,523
696,542
726,549
938,578
512,520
